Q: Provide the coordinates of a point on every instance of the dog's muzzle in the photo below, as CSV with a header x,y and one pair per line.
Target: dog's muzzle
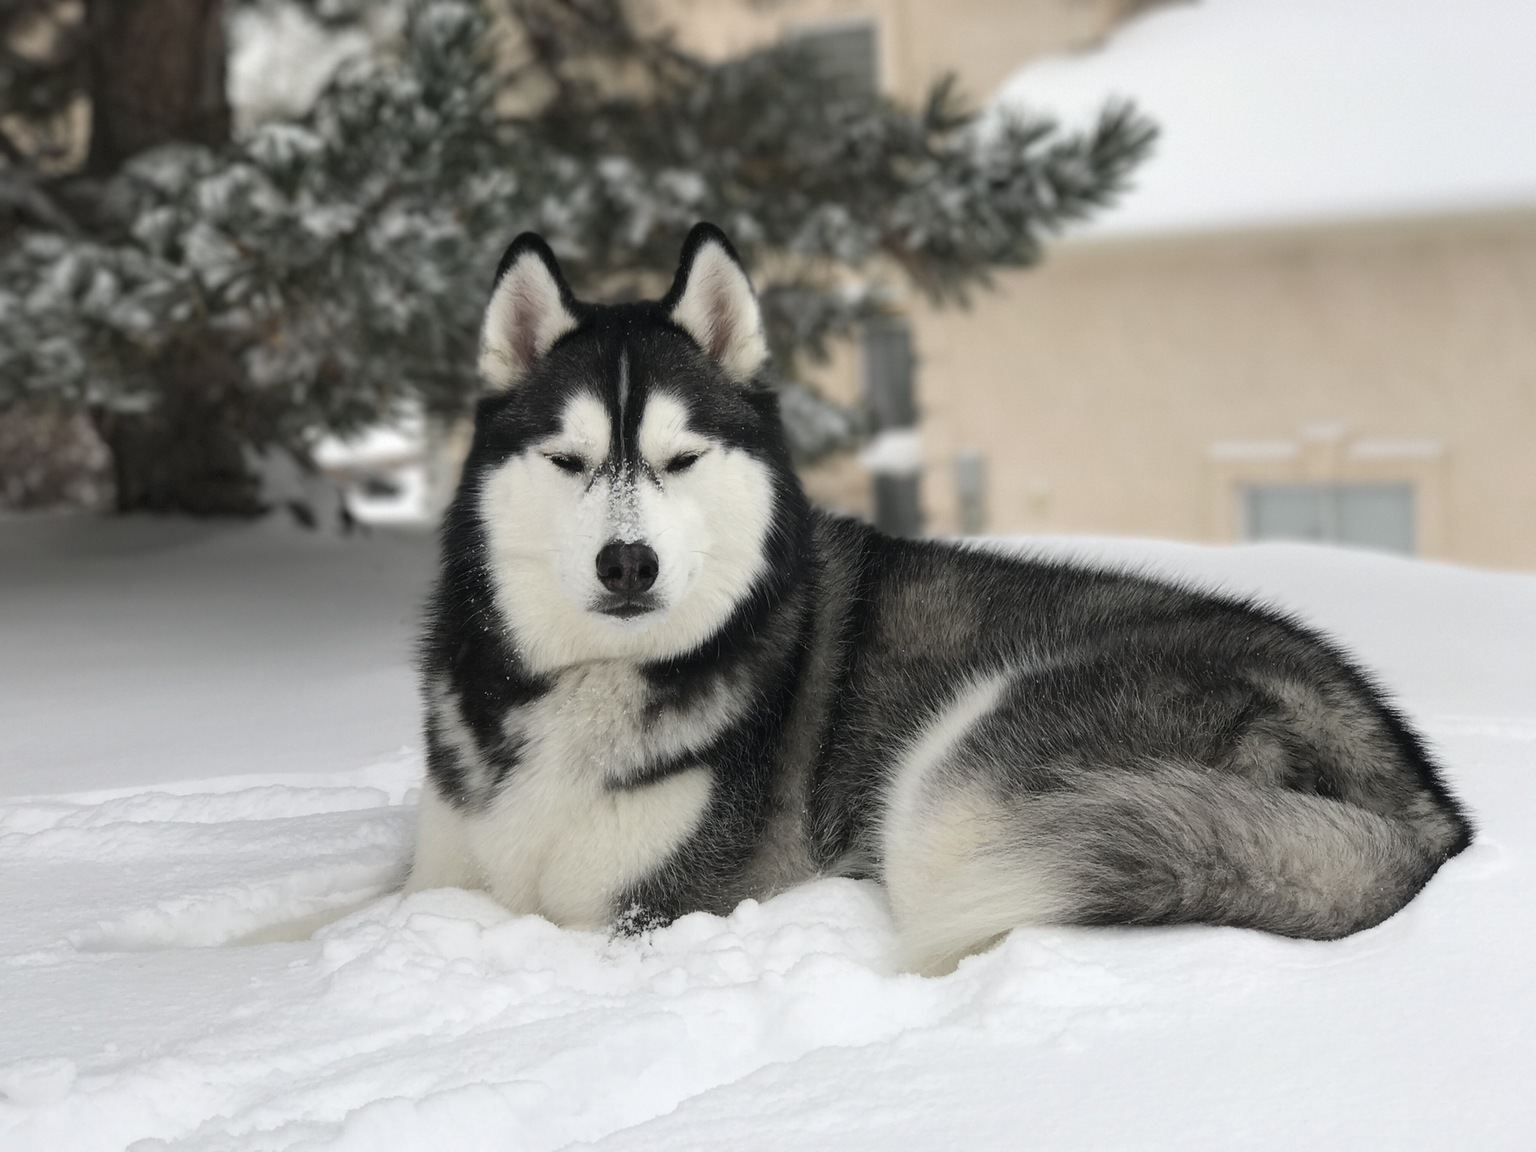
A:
x,y
628,570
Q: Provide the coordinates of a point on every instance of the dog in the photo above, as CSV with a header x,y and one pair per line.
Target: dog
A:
x,y
656,681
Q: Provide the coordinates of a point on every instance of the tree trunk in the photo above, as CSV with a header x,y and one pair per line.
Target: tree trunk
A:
x,y
187,453
157,76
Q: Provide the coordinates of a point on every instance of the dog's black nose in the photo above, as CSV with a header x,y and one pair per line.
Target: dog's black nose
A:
x,y
627,568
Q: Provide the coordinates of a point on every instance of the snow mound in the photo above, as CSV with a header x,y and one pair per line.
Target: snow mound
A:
x,y
442,1016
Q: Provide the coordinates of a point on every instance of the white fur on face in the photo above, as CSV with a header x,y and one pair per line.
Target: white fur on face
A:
x,y
708,526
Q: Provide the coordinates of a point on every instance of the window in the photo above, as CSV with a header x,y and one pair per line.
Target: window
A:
x,y
845,55
1380,516
888,364
891,399
971,490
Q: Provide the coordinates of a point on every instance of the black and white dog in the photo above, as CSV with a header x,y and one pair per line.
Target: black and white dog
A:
x,y
657,681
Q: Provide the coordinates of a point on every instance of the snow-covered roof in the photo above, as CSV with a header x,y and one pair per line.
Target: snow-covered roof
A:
x,y
1278,111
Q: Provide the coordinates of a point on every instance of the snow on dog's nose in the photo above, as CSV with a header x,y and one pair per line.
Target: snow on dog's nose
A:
x,y
627,568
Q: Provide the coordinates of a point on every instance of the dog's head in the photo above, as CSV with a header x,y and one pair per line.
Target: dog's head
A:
x,y
629,479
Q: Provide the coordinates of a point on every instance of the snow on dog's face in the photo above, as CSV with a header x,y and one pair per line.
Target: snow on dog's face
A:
x,y
630,476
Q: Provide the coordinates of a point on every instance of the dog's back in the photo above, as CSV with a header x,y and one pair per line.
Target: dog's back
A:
x,y
1015,741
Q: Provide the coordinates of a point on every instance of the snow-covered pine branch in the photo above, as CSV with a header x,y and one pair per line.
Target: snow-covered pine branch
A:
x,y
333,263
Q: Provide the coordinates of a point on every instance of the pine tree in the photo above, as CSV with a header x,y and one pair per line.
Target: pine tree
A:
x,y
214,295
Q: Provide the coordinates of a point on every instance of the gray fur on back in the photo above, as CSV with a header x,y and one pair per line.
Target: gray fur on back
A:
x,y
1152,754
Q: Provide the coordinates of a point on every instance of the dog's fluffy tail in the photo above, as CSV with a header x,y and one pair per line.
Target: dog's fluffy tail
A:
x,y
1167,845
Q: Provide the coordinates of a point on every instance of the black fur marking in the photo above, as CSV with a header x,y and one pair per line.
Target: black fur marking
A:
x,y
466,650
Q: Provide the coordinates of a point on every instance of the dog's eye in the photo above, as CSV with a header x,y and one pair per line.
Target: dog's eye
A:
x,y
566,462
681,463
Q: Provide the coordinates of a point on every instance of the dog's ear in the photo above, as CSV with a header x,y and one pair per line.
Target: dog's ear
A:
x,y
712,300
531,307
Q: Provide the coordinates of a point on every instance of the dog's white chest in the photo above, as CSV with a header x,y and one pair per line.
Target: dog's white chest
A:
x,y
561,839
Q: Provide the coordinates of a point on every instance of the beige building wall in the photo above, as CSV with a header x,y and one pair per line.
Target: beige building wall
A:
x,y
1133,386
982,41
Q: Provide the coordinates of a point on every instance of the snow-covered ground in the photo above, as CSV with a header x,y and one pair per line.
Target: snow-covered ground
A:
x,y
206,731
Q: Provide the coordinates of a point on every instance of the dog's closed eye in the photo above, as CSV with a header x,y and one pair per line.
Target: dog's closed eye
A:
x,y
681,463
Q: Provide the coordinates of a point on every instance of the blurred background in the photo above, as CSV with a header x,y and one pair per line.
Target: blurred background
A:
x,y
1213,271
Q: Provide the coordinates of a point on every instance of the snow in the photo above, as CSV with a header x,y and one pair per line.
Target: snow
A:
x,y
207,732
281,59
893,452
405,499
138,652
1312,109
393,455
379,444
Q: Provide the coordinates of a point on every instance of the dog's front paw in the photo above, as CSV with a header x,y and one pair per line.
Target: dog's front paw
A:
x,y
637,918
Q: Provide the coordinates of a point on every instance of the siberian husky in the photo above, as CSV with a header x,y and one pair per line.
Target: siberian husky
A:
x,y
657,681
